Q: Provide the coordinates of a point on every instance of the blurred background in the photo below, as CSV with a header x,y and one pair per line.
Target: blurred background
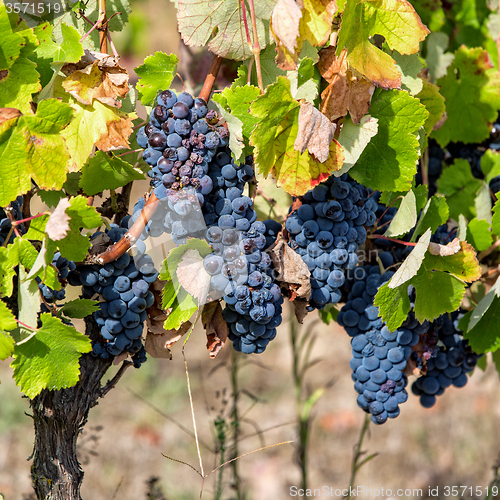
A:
x,y
147,417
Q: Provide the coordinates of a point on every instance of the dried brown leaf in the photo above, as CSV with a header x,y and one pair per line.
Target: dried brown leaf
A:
x,y
192,275
215,326
117,135
158,345
291,269
58,224
345,92
103,79
315,134
445,250
285,21
300,307
121,357
8,114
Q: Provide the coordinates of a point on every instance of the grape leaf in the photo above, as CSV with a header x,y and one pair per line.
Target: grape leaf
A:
x,y
395,20
49,360
409,66
74,246
438,60
460,188
34,147
7,322
270,71
6,345
482,203
285,20
316,22
394,305
471,88
434,214
68,49
274,136
197,22
388,162
157,72
28,299
479,235
354,139
79,308
495,221
434,103
328,313
98,125
431,12
412,263
106,171
405,218
7,273
10,42
448,274
490,164
19,80
303,81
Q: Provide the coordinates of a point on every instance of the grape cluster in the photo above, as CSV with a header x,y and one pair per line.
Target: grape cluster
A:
x,y
123,286
6,224
326,232
379,355
253,299
180,140
448,364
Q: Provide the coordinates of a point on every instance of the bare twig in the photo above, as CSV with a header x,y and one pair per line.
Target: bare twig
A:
x,y
103,28
112,383
489,250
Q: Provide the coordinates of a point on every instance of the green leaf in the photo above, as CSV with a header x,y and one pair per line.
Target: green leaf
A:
x,y
34,148
68,49
7,319
50,359
270,71
234,104
412,263
434,103
438,60
431,13
222,20
495,222
496,360
328,313
388,163
303,81
74,246
434,214
409,66
490,164
460,188
462,228
479,235
28,298
471,88
20,80
51,198
79,308
396,21
183,307
354,139
156,73
7,273
274,139
482,203
37,228
106,171
405,218
394,305
10,42
6,345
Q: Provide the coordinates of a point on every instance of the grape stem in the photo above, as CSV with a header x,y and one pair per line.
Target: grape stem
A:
x,y
401,242
206,90
255,47
103,27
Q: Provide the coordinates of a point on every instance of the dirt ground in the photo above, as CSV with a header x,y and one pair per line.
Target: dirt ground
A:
x,y
454,444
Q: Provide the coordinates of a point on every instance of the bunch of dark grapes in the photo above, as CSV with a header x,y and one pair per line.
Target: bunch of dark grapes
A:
x,y
448,363
326,232
6,230
123,288
180,140
254,301
379,355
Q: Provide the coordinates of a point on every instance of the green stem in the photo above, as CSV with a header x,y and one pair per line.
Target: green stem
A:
x,y
357,455
235,422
